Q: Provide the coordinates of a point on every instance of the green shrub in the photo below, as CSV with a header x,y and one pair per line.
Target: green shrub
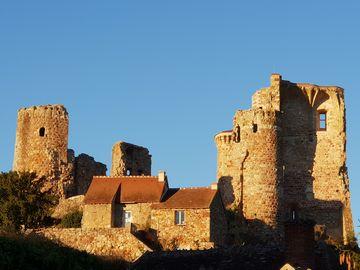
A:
x,y
22,204
71,220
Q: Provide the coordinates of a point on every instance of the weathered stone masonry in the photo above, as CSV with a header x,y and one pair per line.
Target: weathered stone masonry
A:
x,y
281,163
130,159
42,146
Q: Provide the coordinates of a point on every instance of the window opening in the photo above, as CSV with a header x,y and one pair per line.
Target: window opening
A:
x,y
128,172
255,128
237,134
42,132
179,217
322,123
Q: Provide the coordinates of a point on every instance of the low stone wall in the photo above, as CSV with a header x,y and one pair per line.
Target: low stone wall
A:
x,y
66,206
116,243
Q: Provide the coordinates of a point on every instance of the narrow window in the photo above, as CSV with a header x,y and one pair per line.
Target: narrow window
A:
x,y
255,128
42,132
127,217
293,214
322,125
179,217
128,172
237,134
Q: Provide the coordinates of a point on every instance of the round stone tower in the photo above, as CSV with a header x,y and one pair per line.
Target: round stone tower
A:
x,y
42,142
249,170
259,161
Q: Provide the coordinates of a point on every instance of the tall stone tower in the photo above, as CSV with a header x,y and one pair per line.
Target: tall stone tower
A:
x,y
42,143
249,163
284,161
42,146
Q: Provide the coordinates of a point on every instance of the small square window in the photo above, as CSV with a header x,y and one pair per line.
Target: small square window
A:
x,y
179,217
321,123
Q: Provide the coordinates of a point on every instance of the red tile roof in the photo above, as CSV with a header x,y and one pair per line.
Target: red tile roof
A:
x,y
132,189
187,198
141,190
102,190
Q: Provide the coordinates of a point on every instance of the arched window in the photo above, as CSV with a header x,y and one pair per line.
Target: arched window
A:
x,y
128,172
42,132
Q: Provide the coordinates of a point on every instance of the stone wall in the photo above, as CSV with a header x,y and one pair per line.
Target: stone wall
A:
x,y
97,216
130,159
113,243
314,160
140,213
194,234
69,205
85,169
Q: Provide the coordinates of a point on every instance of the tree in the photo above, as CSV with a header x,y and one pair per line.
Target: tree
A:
x,y
21,201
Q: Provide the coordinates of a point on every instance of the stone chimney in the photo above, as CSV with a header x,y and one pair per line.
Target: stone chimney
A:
x,y
214,186
162,176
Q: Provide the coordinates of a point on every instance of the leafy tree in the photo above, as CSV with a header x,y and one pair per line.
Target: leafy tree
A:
x,y
22,204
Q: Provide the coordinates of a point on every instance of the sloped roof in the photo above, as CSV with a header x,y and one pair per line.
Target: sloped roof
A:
x,y
132,189
141,190
102,190
187,198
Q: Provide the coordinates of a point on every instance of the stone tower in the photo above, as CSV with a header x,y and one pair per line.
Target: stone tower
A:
x,y
249,175
42,146
42,143
130,159
284,161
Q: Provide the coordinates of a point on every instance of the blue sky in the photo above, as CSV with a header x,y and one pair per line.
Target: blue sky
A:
x,y
170,74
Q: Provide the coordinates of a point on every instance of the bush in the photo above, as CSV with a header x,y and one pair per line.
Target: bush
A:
x,y
22,204
71,220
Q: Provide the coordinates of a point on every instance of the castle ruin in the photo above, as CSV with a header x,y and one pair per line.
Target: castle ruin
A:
x,y
42,146
284,160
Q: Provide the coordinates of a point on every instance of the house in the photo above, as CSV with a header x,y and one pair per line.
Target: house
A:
x,y
190,218
186,218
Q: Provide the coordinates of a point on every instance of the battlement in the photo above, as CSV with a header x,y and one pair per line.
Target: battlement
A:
x,y
224,137
56,109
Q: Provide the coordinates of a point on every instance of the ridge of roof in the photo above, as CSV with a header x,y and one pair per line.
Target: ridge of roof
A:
x,y
126,176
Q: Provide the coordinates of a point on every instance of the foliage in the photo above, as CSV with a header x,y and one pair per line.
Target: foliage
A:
x,y
350,254
22,204
71,220
18,252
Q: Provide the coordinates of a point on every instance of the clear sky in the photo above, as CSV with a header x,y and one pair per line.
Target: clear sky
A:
x,y
169,75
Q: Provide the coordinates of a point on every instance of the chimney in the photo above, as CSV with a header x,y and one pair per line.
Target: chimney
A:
x,y
162,176
214,186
